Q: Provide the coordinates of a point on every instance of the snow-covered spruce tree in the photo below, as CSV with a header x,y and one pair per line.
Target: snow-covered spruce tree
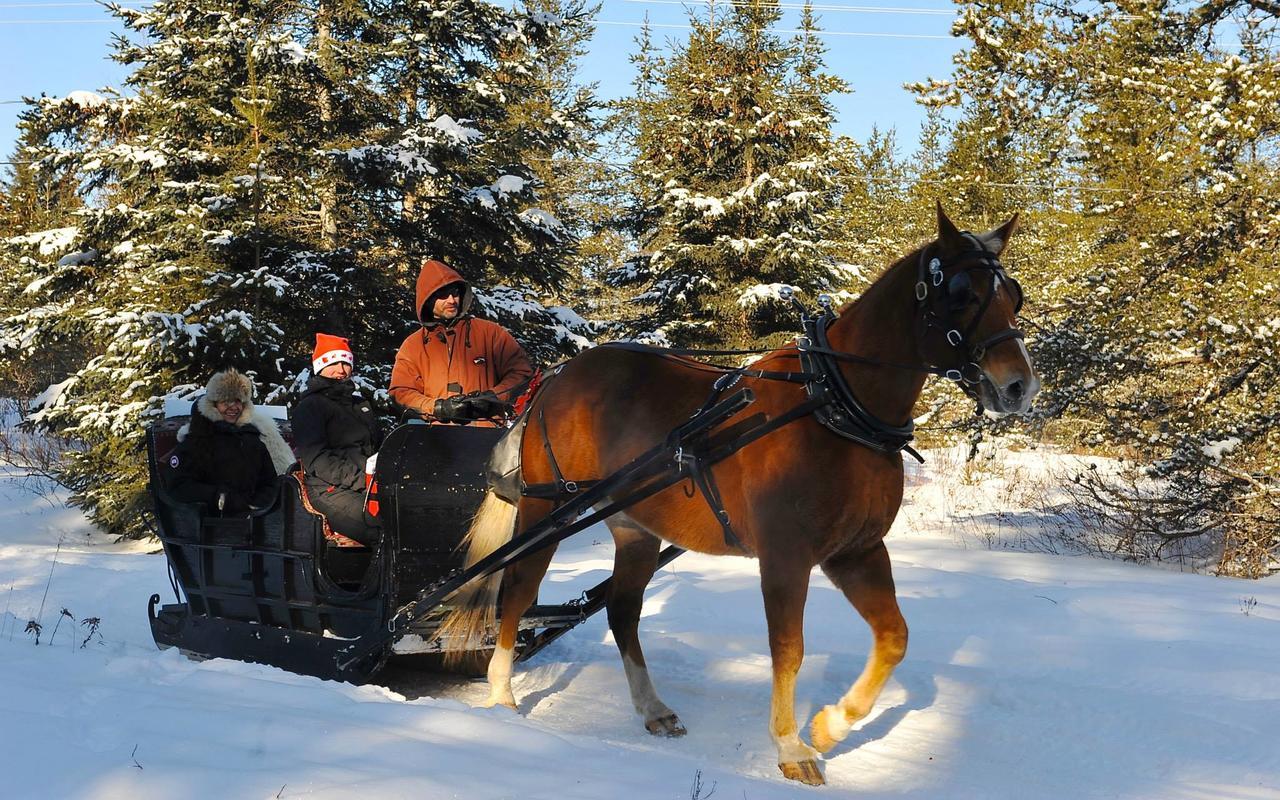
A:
x,y
471,110
37,222
733,161
232,203
193,251
1161,335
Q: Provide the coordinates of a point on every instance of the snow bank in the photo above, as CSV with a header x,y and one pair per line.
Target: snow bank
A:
x,y
1029,675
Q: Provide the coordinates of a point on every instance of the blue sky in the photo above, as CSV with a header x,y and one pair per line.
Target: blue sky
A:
x,y
58,46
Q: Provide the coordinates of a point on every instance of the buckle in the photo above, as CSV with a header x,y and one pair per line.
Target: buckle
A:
x,y
953,375
954,338
922,291
935,269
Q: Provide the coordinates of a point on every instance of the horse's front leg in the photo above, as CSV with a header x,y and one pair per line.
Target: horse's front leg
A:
x,y
635,559
784,580
867,581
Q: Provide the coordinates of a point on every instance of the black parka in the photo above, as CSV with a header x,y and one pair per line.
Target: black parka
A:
x,y
219,457
334,432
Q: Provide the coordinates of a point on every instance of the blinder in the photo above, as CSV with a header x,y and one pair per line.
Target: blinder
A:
x,y
959,292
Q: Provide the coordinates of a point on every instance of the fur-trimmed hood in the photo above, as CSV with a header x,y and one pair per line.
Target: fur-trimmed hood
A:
x,y
282,456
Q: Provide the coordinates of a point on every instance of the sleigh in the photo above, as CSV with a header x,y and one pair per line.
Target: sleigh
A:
x,y
279,587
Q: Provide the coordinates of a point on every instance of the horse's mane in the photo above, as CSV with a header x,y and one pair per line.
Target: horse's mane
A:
x,y
880,280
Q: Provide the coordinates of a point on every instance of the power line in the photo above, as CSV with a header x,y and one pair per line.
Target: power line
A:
x,y
781,30
853,178
71,5
57,21
859,34
816,7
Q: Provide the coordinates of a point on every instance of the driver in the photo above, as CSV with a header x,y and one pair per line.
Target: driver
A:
x,y
455,368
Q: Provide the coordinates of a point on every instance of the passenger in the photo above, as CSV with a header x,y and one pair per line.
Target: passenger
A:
x,y
455,368
227,456
336,432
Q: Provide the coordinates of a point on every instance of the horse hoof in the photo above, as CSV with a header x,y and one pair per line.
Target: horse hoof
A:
x,y
820,732
803,771
666,726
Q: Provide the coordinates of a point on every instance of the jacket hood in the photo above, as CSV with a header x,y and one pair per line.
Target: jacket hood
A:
x,y
436,275
281,454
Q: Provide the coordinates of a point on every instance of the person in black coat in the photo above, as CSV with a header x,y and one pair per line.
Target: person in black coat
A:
x,y
335,432
227,456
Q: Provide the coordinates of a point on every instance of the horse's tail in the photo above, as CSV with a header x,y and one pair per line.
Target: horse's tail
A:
x,y
475,605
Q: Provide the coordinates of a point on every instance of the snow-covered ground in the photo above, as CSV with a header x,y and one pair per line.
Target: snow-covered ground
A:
x,y
1029,675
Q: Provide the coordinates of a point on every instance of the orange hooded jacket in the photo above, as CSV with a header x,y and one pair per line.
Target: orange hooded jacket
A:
x,y
457,356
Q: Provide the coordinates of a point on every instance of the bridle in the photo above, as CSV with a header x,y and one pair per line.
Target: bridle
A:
x,y
932,283
841,412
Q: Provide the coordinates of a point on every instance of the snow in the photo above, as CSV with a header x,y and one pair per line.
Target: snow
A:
x,y
543,219
455,130
76,259
1029,674
82,99
48,242
1216,450
508,184
763,292
51,395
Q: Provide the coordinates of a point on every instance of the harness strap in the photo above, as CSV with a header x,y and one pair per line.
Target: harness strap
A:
x,y
699,470
560,487
671,355
840,355
699,462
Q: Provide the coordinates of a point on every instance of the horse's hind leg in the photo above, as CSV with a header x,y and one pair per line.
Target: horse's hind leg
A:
x,y
867,580
520,583
634,561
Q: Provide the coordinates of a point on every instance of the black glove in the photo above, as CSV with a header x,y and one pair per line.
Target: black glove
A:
x,y
482,405
451,409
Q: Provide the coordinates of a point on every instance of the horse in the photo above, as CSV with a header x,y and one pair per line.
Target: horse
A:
x,y
800,496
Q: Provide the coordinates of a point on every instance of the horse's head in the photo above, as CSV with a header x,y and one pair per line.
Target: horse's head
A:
x,y
968,310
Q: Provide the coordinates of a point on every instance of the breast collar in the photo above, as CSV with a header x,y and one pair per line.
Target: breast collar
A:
x,y
841,412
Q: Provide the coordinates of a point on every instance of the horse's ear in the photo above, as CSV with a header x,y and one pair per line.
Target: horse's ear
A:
x,y
997,239
948,234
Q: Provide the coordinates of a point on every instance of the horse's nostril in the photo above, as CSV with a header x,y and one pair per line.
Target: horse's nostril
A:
x,y
1015,390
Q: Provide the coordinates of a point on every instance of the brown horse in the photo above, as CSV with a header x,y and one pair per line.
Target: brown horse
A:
x,y
797,497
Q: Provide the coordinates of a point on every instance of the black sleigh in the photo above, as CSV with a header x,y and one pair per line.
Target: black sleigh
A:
x,y
278,587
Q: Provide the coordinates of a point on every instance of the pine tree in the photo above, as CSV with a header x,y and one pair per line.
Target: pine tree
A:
x,y
734,161
280,163
1156,262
